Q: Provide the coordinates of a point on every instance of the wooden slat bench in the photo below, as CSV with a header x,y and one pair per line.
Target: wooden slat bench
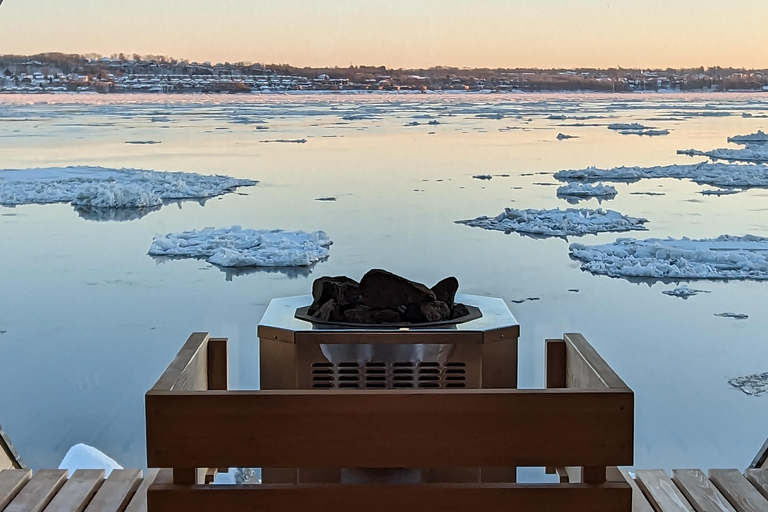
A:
x,y
584,419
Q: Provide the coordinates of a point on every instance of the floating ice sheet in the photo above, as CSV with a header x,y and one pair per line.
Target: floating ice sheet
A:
x,y
725,257
82,456
628,126
716,174
753,385
586,190
99,187
237,247
753,138
752,153
735,316
557,222
648,133
683,292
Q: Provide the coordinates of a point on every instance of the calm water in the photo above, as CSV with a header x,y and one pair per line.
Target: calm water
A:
x,y
91,321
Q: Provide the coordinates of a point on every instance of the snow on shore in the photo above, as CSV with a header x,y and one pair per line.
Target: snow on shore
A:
x,y
237,247
557,222
716,174
725,257
586,190
748,154
82,456
753,138
99,187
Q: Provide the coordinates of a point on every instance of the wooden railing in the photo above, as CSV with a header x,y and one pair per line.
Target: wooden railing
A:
x,y
583,419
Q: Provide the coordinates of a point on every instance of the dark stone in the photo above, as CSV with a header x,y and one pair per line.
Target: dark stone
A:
x,y
384,290
459,310
386,316
435,311
446,289
366,315
326,311
384,298
360,315
413,314
341,289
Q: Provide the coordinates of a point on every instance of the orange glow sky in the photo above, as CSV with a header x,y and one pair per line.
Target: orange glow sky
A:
x,y
400,33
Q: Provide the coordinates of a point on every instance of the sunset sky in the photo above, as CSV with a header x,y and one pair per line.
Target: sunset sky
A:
x,y
400,33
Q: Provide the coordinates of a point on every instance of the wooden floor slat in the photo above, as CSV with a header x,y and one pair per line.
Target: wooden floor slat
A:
x,y
116,491
11,482
661,492
758,478
689,490
699,491
77,492
743,495
34,496
639,501
139,501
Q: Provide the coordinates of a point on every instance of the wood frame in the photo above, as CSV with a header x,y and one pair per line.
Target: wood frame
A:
x,y
9,458
761,459
585,419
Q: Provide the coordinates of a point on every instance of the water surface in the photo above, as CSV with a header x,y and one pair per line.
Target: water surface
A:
x,y
91,321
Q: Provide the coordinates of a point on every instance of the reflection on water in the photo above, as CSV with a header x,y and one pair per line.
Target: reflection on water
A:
x,y
113,214
91,321
128,214
232,272
290,272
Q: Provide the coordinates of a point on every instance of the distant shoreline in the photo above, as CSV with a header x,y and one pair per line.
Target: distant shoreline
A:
x,y
357,92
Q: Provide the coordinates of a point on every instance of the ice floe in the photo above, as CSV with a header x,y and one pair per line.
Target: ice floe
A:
x,y
753,138
683,292
753,385
557,222
82,456
716,174
725,257
748,154
735,316
628,126
647,133
586,190
237,247
720,192
100,188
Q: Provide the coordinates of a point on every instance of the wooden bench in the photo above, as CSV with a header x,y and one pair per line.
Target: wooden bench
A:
x,y
584,419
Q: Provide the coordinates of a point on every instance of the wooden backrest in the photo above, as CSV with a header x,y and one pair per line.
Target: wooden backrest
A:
x,y
193,423
188,426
